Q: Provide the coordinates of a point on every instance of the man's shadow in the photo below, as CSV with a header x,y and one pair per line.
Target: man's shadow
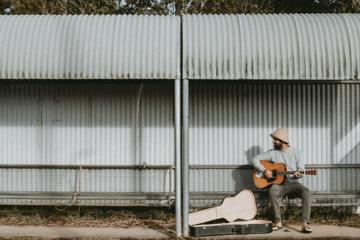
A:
x,y
243,176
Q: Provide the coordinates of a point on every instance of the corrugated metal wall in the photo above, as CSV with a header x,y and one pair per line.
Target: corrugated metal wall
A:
x,y
97,186
230,123
87,124
289,47
89,47
96,123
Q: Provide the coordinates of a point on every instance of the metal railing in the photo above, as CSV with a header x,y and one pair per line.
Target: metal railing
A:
x,y
77,198
345,197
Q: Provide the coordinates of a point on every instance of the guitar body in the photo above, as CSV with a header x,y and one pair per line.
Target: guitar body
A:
x,y
261,181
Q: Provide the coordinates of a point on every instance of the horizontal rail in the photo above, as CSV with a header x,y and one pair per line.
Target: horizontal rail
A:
x,y
90,196
273,82
251,167
153,194
325,193
319,198
86,166
295,205
91,204
43,166
85,198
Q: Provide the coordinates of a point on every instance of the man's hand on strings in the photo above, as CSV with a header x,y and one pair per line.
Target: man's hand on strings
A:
x,y
297,174
268,173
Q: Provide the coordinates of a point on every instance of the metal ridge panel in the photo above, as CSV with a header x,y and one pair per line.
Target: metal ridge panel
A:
x,y
271,47
89,47
353,29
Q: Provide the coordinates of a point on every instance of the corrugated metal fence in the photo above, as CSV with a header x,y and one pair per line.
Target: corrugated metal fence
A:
x,y
102,142
230,123
87,124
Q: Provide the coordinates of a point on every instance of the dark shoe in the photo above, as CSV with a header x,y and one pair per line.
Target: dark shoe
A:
x,y
276,228
306,229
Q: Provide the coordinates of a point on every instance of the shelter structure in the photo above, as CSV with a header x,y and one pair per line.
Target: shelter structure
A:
x,y
87,110
245,76
146,110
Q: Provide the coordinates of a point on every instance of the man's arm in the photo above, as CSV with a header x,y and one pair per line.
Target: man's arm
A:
x,y
262,156
299,164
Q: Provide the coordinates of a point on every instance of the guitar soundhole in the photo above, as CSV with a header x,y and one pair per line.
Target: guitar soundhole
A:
x,y
271,179
274,176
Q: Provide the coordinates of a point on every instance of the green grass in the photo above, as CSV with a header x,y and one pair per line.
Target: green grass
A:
x,y
148,216
85,216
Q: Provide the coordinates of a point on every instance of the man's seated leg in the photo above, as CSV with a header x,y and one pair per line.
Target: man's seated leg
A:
x,y
275,196
298,190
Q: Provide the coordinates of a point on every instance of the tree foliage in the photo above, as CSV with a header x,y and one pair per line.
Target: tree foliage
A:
x,y
178,7
161,7
63,7
230,6
4,4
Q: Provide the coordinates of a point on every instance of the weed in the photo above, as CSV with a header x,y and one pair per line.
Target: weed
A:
x,y
87,216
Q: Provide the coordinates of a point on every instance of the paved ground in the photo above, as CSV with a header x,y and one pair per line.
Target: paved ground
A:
x,y
293,232
288,232
67,232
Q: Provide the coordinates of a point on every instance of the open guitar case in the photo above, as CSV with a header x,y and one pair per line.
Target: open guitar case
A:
x,y
242,208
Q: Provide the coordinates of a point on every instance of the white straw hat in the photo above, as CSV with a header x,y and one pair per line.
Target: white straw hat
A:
x,y
281,134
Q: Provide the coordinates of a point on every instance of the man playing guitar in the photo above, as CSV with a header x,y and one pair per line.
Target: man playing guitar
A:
x,y
291,157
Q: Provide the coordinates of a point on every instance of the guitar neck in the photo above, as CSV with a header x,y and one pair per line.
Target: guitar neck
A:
x,y
289,172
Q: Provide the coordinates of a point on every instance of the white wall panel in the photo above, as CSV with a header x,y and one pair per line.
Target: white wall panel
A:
x,y
86,124
230,123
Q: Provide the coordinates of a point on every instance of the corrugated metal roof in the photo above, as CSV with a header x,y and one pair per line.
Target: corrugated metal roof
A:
x,y
89,47
295,46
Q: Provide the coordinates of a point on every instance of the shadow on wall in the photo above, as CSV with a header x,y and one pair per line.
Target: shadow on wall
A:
x,y
86,104
87,122
243,178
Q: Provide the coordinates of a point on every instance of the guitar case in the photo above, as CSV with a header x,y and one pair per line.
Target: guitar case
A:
x,y
242,207
233,228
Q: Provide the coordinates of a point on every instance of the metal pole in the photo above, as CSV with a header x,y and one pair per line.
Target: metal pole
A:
x,y
178,157
185,165
137,137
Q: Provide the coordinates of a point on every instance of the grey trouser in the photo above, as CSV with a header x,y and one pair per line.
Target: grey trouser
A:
x,y
292,190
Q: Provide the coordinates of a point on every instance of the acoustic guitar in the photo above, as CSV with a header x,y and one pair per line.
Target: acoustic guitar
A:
x,y
242,206
279,171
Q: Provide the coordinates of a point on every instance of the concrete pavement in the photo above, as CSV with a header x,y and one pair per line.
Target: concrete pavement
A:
x,y
89,233
288,232
293,232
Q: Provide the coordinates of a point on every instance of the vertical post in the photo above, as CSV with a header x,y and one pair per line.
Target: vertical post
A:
x,y
80,168
185,157
178,157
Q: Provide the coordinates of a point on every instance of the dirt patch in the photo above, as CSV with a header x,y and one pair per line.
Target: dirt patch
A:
x,y
154,218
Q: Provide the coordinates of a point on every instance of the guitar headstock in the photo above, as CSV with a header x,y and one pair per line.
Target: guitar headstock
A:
x,y
310,172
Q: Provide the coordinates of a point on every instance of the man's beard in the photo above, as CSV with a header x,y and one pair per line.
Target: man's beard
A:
x,y
277,147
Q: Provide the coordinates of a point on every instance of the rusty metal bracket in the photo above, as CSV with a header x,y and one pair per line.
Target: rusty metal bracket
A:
x,y
79,191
